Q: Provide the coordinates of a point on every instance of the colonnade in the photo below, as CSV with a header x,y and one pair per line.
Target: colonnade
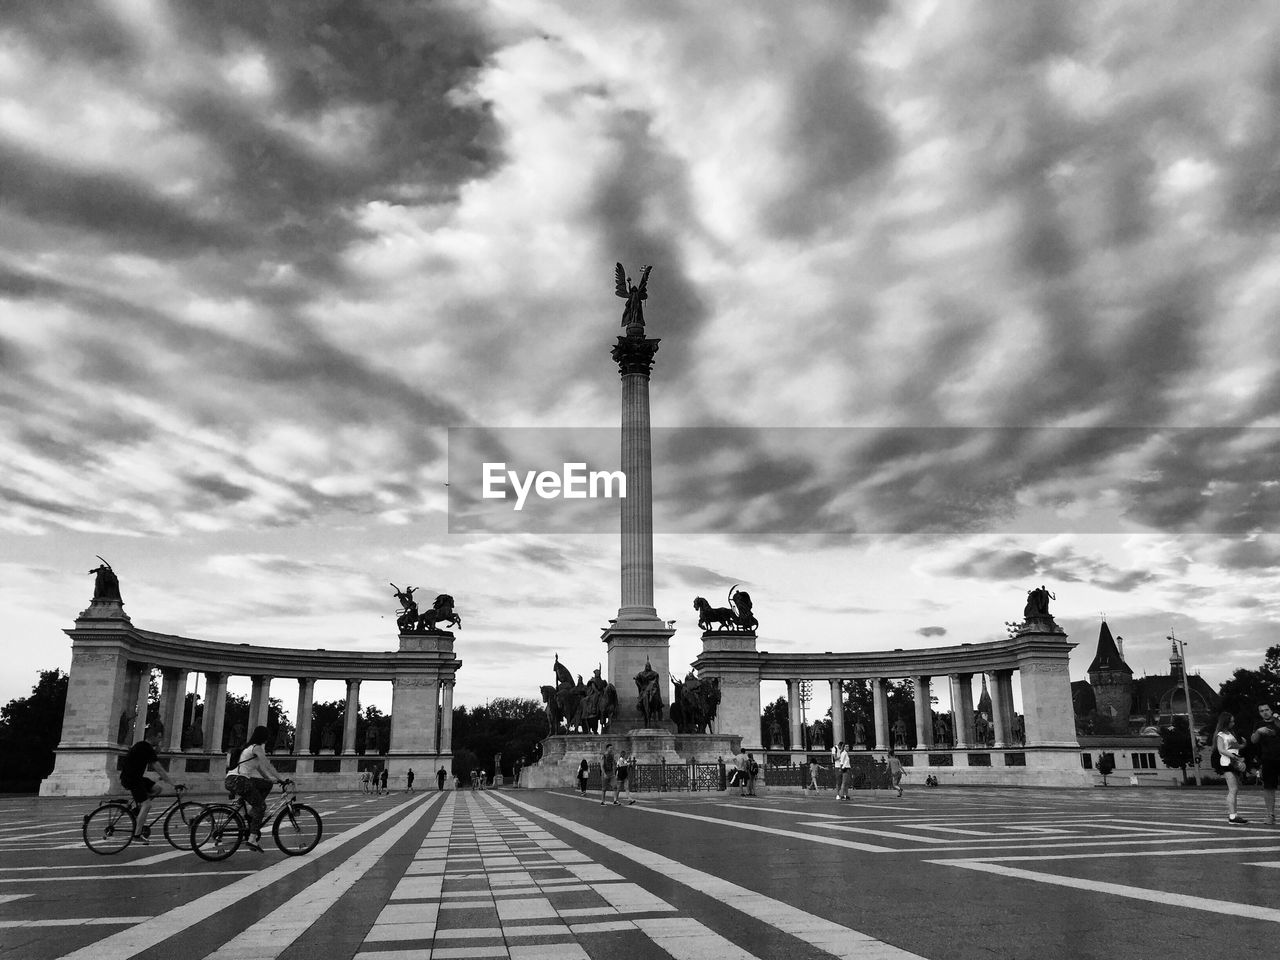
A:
x,y
960,688
111,667
437,717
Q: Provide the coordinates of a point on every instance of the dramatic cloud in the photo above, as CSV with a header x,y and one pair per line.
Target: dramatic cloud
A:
x,y
954,300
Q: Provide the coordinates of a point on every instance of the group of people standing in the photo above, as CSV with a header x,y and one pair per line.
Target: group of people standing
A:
x,y
615,771
1232,757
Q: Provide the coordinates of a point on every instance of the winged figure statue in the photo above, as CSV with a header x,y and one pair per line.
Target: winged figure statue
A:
x,y
634,294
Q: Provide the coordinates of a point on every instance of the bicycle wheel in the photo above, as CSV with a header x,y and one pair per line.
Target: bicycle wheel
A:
x,y
217,832
109,829
178,821
297,829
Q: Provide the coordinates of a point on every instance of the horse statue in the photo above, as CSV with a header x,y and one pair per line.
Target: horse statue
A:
x,y
599,704
564,700
552,705
694,704
441,612
737,616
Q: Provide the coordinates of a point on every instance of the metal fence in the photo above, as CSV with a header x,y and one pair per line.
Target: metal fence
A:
x,y
866,774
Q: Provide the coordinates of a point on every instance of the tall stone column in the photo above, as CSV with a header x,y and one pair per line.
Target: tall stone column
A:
x,y
215,710
837,711
880,708
302,719
143,702
962,701
924,713
446,716
793,715
1004,690
637,636
349,718
173,697
259,702
999,719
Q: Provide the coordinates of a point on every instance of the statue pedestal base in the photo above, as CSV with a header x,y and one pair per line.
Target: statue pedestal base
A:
x,y
632,644
562,754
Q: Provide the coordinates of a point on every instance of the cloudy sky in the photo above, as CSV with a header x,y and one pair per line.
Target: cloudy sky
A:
x,y
955,299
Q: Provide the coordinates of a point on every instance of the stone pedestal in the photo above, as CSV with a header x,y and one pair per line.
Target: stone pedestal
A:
x,y
732,656
630,644
558,766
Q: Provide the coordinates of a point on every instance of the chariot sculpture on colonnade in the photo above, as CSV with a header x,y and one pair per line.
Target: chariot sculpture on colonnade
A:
x,y
409,620
737,616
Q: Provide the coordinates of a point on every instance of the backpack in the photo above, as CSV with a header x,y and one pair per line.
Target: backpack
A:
x,y
752,767
607,766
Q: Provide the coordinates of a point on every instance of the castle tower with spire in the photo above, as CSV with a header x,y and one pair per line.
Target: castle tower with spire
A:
x,y
1112,681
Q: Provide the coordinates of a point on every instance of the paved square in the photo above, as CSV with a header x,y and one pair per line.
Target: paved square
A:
x,y
945,873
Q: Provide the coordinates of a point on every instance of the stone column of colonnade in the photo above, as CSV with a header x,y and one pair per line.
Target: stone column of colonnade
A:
x,y
215,710
793,711
1002,690
837,711
173,700
924,713
302,720
999,716
349,718
880,709
446,717
259,702
142,699
962,706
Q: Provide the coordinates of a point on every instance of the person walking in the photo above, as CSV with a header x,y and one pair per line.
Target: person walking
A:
x,y
753,771
813,775
740,771
1230,763
440,775
623,775
583,773
844,768
1266,736
409,781
608,763
384,780
895,771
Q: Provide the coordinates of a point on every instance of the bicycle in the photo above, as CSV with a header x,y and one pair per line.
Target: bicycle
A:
x,y
111,826
220,829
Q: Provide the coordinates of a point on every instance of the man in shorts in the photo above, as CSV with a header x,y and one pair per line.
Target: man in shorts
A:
x,y
138,762
1266,737
607,765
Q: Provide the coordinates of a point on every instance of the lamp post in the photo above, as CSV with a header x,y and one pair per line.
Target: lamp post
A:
x,y
1186,693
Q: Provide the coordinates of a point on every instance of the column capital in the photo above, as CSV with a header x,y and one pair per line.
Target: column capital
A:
x,y
635,355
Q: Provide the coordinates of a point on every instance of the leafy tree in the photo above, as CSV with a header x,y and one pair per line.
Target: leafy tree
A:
x,y
1106,764
1247,688
1175,746
30,728
510,726
235,723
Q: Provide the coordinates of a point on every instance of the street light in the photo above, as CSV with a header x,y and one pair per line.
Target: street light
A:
x,y
806,694
1186,692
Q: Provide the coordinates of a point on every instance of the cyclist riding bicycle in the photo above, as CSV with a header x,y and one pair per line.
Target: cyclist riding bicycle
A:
x,y
250,778
139,761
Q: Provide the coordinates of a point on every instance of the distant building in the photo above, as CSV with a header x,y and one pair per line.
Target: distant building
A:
x,y
1115,702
